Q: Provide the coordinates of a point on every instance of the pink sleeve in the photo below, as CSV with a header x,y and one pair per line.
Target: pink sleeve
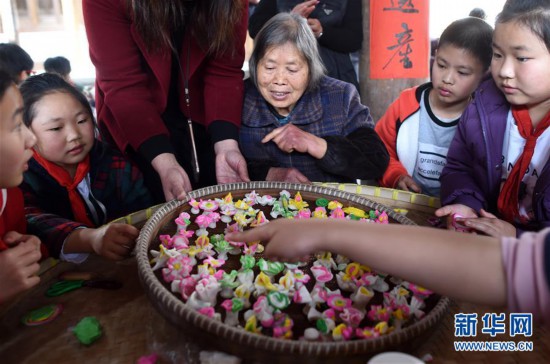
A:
x,y
528,288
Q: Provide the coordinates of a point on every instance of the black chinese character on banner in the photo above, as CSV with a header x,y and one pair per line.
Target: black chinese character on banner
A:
x,y
402,47
404,6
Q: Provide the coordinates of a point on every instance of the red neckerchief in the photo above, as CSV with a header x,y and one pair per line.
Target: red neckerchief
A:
x,y
12,217
508,204
3,192
64,179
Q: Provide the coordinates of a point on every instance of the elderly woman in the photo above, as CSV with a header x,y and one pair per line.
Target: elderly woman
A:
x,y
298,124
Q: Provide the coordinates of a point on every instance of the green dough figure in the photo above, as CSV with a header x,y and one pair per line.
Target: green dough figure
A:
x,y
88,330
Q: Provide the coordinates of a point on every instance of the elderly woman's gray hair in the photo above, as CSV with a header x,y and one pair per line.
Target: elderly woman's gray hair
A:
x,y
286,28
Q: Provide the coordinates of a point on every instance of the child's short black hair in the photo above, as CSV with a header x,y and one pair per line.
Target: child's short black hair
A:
x,y
6,80
523,6
59,65
473,35
478,13
531,14
36,87
14,60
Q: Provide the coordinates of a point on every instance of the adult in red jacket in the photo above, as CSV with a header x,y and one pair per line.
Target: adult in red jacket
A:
x,y
169,87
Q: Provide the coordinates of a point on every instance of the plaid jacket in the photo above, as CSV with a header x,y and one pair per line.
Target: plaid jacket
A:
x,y
116,183
333,112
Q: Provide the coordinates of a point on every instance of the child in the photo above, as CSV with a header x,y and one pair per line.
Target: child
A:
x,y
473,268
75,181
498,163
60,66
19,253
419,126
15,61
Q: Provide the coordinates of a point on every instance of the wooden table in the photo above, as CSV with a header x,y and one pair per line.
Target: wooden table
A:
x,y
133,328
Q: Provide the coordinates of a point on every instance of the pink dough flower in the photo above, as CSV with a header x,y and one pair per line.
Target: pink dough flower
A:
x,y
194,206
379,313
208,205
177,267
338,302
321,273
183,221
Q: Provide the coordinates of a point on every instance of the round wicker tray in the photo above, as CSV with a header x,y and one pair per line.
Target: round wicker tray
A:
x,y
212,334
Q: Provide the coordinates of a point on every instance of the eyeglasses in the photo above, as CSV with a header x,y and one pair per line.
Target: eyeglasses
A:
x,y
29,73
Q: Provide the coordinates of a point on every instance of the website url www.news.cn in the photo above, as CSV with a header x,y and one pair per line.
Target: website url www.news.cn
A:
x,y
493,346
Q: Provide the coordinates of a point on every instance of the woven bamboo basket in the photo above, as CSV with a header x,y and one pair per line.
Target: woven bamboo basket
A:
x,y
215,335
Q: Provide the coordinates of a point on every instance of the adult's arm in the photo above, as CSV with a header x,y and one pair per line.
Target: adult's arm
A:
x,y
359,152
224,97
527,265
464,266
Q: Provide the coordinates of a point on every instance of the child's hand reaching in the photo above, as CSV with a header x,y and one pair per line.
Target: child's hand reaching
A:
x,y
489,224
406,183
456,209
19,264
114,241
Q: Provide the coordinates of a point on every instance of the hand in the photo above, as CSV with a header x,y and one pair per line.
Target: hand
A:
x,y
315,26
291,175
230,163
459,209
114,241
406,183
305,8
285,239
19,264
174,179
13,238
290,138
489,224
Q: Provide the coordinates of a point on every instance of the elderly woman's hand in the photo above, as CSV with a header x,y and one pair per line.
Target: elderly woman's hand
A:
x,y
290,138
305,8
291,175
230,163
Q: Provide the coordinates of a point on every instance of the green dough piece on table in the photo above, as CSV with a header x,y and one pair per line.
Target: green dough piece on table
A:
x,y
42,315
88,330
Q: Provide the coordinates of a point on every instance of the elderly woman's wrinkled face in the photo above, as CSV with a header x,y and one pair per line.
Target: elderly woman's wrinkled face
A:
x,y
283,76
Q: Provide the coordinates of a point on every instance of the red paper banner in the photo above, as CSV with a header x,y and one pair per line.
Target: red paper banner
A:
x,y
399,39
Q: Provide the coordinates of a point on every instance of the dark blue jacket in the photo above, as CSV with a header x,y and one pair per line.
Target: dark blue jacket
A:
x,y
332,112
